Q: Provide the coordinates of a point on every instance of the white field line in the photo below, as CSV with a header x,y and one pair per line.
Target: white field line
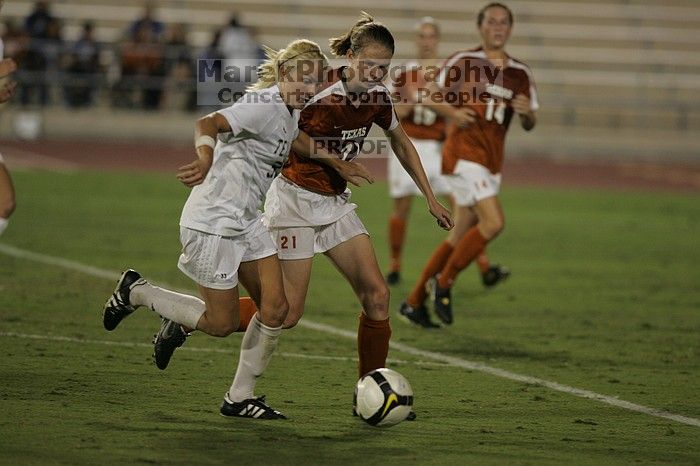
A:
x,y
429,355
129,344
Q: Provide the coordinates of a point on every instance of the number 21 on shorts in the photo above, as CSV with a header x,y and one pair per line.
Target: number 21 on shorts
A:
x,y
284,242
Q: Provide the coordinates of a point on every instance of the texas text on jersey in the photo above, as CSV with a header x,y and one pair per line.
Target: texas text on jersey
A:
x,y
339,124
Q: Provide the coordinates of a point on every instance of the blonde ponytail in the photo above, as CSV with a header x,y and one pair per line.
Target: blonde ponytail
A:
x,y
300,49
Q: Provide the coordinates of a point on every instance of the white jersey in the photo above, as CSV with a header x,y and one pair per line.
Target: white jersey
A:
x,y
246,160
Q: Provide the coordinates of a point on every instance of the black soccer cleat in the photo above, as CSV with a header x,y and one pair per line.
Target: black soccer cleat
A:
x,y
495,273
442,301
118,305
252,407
393,278
417,316
166,341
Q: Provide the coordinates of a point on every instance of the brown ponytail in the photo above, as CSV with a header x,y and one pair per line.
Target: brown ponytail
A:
x,y
366,31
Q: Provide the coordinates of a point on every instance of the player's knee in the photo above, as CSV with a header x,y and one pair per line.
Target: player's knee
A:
x,y
376,298
492,227
498,225
277,314
223,329
294,314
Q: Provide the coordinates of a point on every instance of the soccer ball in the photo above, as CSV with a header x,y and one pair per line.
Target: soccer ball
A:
x,y
383,398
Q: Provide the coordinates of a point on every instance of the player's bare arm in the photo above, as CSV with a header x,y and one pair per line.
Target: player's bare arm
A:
x,y
407,155
521,106
461,116
352,172
403,105
206,131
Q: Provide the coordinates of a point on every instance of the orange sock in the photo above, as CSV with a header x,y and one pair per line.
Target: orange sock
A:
x,y
465,252
397,234
436,262
372,343
482,261
246,311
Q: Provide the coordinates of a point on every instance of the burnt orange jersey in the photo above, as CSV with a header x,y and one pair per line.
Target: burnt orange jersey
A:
x,y
340,126
468,78
421,122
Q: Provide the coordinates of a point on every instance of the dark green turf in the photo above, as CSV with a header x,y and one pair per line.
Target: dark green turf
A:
x,y
604,296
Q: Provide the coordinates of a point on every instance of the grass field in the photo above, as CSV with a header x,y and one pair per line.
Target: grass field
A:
x,y
604,297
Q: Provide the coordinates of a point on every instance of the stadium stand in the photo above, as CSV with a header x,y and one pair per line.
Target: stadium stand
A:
x,y
615,78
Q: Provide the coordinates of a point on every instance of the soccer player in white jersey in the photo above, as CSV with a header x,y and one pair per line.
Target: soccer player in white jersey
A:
x,y
223,238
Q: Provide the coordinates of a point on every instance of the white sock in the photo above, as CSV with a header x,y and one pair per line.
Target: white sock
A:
x,y
259,342
3,224
181,308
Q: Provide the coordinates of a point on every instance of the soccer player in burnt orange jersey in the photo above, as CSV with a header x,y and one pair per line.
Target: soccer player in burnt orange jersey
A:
x,y
426,130
308,207
480,91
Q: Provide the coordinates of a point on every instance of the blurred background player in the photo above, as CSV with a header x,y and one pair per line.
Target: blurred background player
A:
x,y
426,130
308,207
474,149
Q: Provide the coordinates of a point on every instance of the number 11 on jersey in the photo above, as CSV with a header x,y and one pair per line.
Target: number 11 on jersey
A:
x,y
495,111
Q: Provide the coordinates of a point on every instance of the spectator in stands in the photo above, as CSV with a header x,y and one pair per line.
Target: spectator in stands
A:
x,y
142,68
179,68
37,23
37,27
176,48
83,67
239,50
236,42
207,97
53,49
148,21
16,41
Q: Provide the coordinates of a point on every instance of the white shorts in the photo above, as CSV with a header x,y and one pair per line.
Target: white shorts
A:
x,y
213,260
304,242
472,182
289,205
400,182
